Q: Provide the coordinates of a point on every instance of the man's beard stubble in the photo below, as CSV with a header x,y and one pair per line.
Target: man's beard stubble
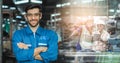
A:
x,y
33,25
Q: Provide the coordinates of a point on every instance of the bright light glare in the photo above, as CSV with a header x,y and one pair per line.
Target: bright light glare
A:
x,y
21,2
86,1
111,10
36,1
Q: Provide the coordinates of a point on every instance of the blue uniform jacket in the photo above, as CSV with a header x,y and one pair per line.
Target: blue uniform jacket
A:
x,y
42,37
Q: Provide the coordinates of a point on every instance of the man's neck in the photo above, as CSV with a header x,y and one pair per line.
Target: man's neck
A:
x,y
34,28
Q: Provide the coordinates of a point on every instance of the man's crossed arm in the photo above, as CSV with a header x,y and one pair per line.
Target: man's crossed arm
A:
x,y
37,50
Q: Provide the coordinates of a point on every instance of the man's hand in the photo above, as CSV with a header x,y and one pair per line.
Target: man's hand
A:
x,y
38,57
22,45
39,49
43,49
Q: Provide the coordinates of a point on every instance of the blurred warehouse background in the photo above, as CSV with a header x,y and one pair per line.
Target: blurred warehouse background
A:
x,y
60,16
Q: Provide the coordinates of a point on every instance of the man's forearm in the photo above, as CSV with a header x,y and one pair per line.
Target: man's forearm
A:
x,y
22,45
38,50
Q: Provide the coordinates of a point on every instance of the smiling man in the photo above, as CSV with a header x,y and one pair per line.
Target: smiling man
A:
x,y
34,44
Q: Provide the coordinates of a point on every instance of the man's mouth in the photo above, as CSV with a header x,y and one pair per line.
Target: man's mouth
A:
x,y
32,20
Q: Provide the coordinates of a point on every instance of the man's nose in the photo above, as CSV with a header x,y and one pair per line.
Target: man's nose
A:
x,y
33,16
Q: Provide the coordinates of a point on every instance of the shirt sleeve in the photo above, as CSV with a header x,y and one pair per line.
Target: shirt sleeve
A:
x,y
21,54
52,52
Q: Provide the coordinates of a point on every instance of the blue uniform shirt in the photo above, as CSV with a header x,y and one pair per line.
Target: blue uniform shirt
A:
x,y
41,37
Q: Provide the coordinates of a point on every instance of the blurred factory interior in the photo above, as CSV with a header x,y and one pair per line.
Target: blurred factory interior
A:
x,y
60,16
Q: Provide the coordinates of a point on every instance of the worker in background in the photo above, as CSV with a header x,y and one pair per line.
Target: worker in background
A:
x,y
86,41
100,37
34,44
86,35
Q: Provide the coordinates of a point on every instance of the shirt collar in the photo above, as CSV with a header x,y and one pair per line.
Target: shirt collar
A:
x,y
38,31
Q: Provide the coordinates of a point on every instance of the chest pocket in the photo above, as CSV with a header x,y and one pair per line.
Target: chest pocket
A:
x,y
43,41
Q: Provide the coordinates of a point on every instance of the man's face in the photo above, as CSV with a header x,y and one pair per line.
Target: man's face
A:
x,y
33,16
100,27
89,24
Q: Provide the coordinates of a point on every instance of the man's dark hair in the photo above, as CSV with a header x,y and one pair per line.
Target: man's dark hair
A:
x,y
31,6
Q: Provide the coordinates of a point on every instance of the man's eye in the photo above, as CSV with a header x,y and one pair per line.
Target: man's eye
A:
x,y
29,14
37,14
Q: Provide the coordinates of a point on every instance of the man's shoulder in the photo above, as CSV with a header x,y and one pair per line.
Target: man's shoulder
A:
x,y
20,30
48,31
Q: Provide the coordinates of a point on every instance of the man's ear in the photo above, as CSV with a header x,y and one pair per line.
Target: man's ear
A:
x,y
40,15
25,16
